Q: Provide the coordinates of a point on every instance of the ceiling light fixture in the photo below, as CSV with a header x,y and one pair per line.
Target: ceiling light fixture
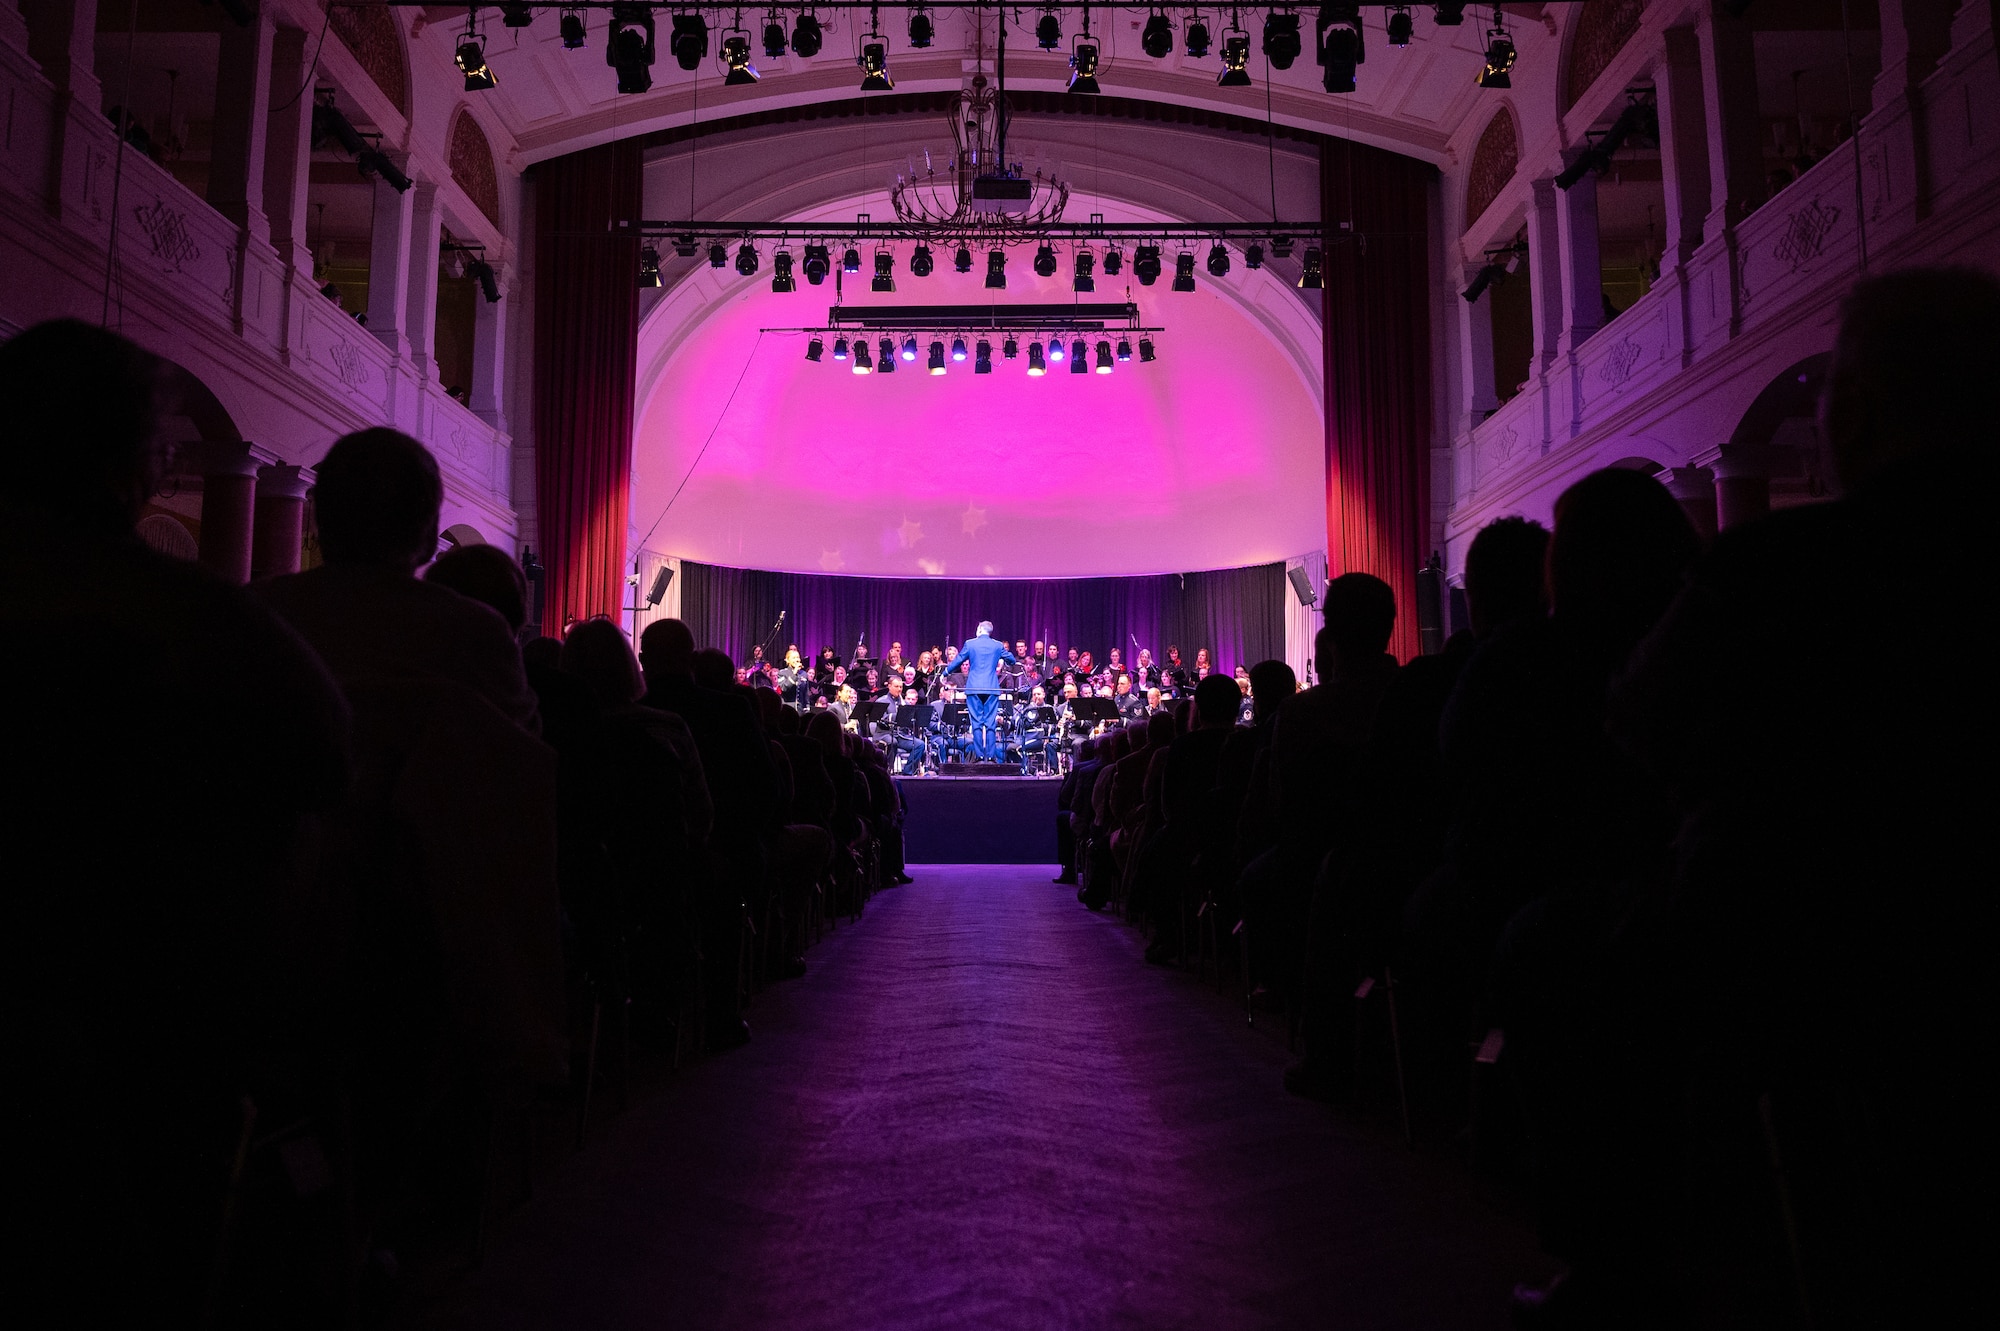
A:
x,y
1184,271
1145,351
1114,261
982,361
1037,367
688,42
806,36
1146,264
1104,358
1235,61
840,348
921,263
1079,358
1157,40
516,13
1197,39
875,68
937,358
571,27
1338,44
649,267
1083,70
922,30
718,255
958,348
1400,25
782,280
1218,260
1083,281
1010,348
746,260
1500,55
886,360
1124,349
1448,13
1281,39
862,365
774,37
1048,30
850,261
1310,278
1045,261
629,48
910,347
1055,350
885,272
996,270
817,264
814,349
471,57
736,55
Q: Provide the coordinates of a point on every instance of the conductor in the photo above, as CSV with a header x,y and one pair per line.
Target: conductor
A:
x,y
982,686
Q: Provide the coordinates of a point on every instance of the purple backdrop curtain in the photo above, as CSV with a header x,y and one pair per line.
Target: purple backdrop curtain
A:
x,y
1237,613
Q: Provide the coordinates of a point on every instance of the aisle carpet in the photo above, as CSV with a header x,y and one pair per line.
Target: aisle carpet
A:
x,y
980,1109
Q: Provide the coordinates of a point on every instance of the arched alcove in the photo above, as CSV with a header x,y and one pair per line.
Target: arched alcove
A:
x,y
1494,161
471,158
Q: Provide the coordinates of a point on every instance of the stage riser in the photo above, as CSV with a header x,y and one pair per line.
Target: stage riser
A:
x,y
979,820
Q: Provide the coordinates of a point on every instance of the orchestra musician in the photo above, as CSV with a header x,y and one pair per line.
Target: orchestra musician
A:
x,y
906,751
1131,706
1202,668
1145,675
1037,723
795,683
1175,677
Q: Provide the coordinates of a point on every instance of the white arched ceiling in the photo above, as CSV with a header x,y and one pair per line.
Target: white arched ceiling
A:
x,y
1211,457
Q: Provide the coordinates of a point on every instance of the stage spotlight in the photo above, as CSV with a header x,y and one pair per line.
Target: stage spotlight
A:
x,y
649,266
746,260
862,365
875,68
1083,70
958,348
481,272
516,13
1157,40
1079,358
1037,367
921,262
781,272
1400,26
886,361
982,359
814,349
774,38
1499,57
885,272
1145,351
962,261
718,255
471,61
1218,260
1281,247
1055,351
922,30
1235,63
1010,348
1048,31
1083,281
1339,44
1448,13
1309,275
910,348
1281,39
629,48
1045,261
1197,39
1184,271
1146,264
840,348
573,36
736,55
1253,255
1114,261
996,270
1104,358
689,41
1124,349
806,36
816,264
850,261
937,358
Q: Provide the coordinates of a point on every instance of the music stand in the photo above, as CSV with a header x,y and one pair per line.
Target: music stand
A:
x,y
873,712
1094,710
953,716
915,718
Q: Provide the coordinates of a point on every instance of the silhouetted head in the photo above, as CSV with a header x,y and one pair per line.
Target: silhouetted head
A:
x,y
767,706
712,669
1360,615
1271,682
597,655
81,426
1115,743
1912,369
1217,700
789,722
1621,550
376,497
1136,735
1160,729
667,648
1505,572
542,654
486,574
824,730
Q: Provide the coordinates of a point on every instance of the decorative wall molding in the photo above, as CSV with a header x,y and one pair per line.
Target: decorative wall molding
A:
x,y
471,159
1493,164
1804,236
1601,33
369,32
167,234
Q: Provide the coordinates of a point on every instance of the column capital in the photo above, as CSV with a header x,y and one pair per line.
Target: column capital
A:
x,y
1738,462
1689,483
280,481
211,457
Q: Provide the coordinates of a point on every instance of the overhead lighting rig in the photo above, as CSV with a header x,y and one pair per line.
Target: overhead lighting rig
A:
x,y
951,334
1639,121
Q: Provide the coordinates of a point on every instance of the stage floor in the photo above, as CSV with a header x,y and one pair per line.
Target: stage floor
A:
x,y
980,819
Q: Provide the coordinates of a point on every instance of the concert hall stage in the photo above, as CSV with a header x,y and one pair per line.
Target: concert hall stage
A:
x,y
979,819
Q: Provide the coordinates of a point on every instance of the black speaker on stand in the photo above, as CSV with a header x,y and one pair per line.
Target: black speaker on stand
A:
x,y
1302,587
1430,606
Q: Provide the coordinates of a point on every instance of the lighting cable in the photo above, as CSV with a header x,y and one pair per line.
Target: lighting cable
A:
x,y
722,416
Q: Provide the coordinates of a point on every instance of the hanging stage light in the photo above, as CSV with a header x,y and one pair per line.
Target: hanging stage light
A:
x,y
471,61
982,359
1124,349
1197,39
1309,275
1157,40
862,365
813,350
573,36
920,261
1055,350
1104,358
1499,56
958,348
922,30
689,41
1083,281
885,272
887,360
1184,271
1253,255
1079,358
649,266
996,270
962,261
516,13
781,272
1235,62
1048,31
629,48
910,347
1281,39
1083,70
1037,367
1114,261
1339,45
1449,13
718,255
1145,351
937,358
840,348
736,55
816,264
746,260
1218,260
1045,261
1400,26
1146,264
875,68
774,38
806,36
850,261
1010,348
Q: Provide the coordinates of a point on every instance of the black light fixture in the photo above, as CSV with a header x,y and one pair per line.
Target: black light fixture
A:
x,y
862,363
1281,39
996,270
1400,25
920,261
1079,358
1114,261
718,255
471,57
1145,351
1235,62
689,41
573,36
1499,55
817,264
1253,255
1309,272
885,272
746,260
774,37
814,349
1124,349
629,48
1083,70
1083,281
1037,367
1146,264
1157,39
1010,348
962,261
1045,260
781,272
982,360
1218,260
910,347
875,66
1197,39
1338,45
649,267
922,30
1184,271
1104,358
1048,30
1055,351
482,272
850,261
886,361
937,358
516,13
840,348
958,348
1448,13
806,36
736,55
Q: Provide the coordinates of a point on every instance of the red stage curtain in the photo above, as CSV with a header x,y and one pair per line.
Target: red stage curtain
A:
x,y
586,346
1378,370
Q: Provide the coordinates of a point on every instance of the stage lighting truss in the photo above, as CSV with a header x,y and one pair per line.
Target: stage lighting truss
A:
x,y
1089,335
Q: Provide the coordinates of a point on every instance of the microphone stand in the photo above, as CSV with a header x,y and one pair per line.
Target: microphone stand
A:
x,y
772,637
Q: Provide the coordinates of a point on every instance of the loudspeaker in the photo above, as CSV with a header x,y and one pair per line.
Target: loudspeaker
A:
x,y
531,568
1430,607
1302,586
661,581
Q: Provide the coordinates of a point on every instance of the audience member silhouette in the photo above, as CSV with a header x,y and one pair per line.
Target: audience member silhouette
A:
x,y
486,574
1166,884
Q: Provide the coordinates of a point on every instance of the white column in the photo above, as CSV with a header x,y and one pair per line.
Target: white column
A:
x,y
389,265
1735,134
1683,144
242,113
13,28
1582,271
489,353
288,151
62,37
1545,270
426,231
1915,36
1475,353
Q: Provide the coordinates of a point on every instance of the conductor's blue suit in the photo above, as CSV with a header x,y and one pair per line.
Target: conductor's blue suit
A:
x,y
982,689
